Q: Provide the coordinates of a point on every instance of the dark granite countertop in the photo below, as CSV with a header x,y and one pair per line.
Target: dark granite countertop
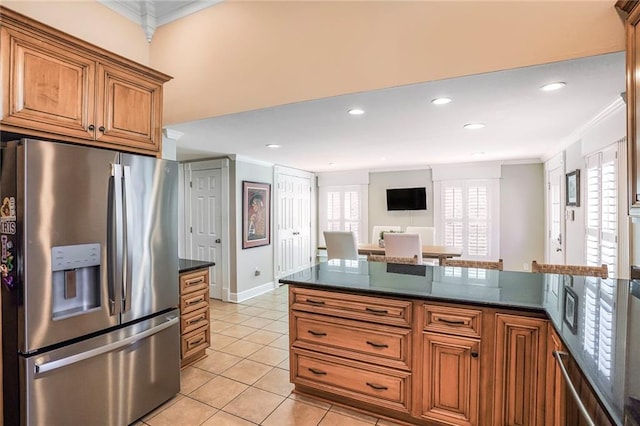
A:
x,y
589,314
187,265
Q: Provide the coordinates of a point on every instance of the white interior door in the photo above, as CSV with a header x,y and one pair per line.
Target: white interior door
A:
x,y
555,218
293,224
205,224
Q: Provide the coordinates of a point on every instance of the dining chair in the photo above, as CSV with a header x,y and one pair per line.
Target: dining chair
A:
x,y
481,264
427,234
341,245
403,245
375,234
591,271
390,259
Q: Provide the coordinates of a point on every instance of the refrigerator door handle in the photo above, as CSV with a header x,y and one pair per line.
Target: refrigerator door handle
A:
x,y
128,222
115,241
54,365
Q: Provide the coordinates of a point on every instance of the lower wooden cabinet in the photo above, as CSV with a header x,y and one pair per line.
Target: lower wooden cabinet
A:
x,y
432,363
520,357
450,379
194,315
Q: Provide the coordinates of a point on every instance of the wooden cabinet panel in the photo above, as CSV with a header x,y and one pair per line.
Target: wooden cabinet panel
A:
x,y
48,87
195,342
450,379
365,308
452,320
129,109
193,281
519,358
379,344
369,383
195,319
555,396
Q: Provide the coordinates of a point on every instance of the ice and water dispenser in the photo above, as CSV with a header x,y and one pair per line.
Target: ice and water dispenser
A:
x,y
76,279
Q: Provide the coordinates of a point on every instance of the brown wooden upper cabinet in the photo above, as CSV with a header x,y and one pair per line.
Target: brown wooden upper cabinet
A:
x,y
60,87
631,12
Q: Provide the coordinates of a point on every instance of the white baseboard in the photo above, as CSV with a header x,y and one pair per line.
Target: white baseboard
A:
x,y
252,292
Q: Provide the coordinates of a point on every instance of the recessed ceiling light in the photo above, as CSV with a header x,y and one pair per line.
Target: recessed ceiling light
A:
x,y
473,126
272,145
332,164
553,86
478,154
440,101
356,111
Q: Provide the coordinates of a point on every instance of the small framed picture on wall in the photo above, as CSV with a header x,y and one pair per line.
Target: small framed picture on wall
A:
x,y
256,214
573,188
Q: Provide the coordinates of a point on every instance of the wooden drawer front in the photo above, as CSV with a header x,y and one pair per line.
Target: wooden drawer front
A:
x,y
193,301
195,341
379,344
374,309
194,281
193,320
450,320
365,382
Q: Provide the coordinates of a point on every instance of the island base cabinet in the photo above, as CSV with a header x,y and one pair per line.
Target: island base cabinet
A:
x,y
450,379
519,365
373,385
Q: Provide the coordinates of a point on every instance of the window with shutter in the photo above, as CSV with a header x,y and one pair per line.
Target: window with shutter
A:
x,y
340,209
468,217
601,247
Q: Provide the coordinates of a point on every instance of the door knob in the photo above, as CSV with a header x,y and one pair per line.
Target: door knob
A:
x,y
558,249
218,240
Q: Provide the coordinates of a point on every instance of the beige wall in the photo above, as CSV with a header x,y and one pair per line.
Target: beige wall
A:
x,y
89,21
244,55
379,182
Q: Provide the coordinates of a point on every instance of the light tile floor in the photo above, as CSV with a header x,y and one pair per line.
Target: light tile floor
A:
x,y
244,380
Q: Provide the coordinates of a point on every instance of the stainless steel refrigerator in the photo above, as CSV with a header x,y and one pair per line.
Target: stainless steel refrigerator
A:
x,y
89,270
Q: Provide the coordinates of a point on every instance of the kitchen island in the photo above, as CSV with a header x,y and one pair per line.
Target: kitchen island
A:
x,y
443,345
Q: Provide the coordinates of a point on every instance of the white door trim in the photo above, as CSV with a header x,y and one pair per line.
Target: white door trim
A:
x,y
222,164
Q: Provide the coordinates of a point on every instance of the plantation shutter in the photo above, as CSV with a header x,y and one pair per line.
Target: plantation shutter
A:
x,y
465,215
340,209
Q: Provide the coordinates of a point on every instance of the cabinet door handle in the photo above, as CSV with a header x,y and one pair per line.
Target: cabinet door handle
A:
x,y
102,129
318,372
474,354
452,322
377,345
557,355
316,333
376,311
91,127
377,387
315,302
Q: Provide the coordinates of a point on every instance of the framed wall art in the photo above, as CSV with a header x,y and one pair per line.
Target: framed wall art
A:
x,y
256,214
573,188
570,310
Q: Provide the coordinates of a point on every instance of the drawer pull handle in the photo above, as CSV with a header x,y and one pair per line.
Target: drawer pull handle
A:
x,y
318,372
195,282
377,345
316,333
315,302
196,342
195,320
452,322
193,302
377,387
377,311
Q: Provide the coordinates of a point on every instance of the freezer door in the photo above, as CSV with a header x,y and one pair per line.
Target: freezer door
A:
x,y
112,379
63,195
150,203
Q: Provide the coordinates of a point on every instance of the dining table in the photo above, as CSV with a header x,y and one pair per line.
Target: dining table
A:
x,y
428,252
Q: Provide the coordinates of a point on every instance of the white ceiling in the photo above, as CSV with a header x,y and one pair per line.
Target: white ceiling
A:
x,y
402,129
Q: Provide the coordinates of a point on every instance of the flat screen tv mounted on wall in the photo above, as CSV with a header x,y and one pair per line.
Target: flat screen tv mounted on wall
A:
x,y
407,199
